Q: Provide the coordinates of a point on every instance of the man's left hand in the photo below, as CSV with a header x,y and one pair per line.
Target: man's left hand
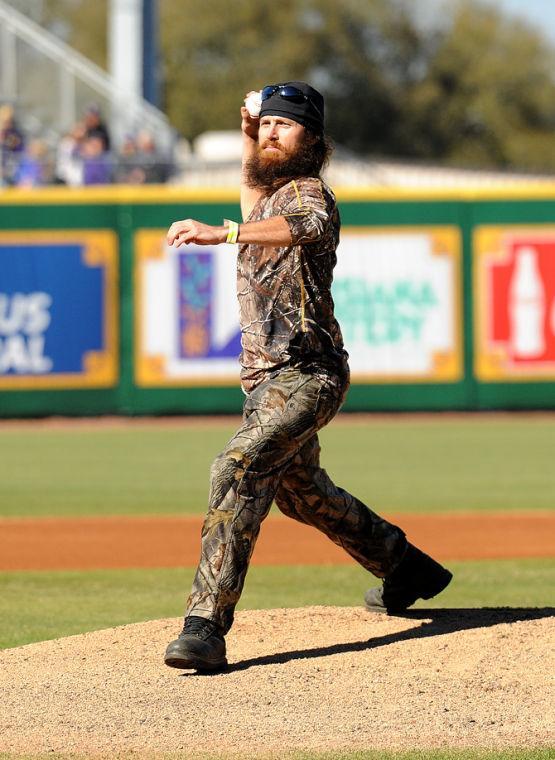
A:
x,y
191,231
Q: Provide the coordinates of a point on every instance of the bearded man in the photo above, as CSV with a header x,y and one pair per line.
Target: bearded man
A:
x,y
295,376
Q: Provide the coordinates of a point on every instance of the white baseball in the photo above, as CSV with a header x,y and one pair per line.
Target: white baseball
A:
x,y
253,103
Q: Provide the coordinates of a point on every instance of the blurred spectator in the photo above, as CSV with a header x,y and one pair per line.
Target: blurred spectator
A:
x,y
34,168
81,157
69,165
12,144
128,171
140,162
97,162
153,163
95,127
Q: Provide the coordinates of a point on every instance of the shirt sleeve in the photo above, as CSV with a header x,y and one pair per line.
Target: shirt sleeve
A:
x,y
305,209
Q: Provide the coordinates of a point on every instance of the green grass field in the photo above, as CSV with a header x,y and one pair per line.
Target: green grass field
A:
x,y
35,606
395,465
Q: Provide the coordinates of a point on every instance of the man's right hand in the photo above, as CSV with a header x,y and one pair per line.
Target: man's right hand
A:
x,y
249,127
249,124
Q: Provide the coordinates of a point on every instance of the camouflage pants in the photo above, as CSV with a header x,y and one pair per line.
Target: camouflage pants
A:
x,y
275,455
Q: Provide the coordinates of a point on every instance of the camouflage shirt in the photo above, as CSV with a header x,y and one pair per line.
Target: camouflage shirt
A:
x,y
285,302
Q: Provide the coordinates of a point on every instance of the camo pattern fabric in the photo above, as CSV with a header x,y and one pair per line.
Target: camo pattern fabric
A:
x,y
285,301
275,454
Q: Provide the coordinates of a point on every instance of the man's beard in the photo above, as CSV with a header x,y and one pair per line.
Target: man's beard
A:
x,y
269,172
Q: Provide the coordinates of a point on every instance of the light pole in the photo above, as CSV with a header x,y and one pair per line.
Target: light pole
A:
x,y
151,80
132,58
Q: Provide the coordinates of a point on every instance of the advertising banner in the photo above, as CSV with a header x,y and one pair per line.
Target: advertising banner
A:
x,y
58,310
396,292
186,325
514,277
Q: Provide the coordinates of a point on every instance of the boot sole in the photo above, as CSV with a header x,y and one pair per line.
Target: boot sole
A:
x,y
194,663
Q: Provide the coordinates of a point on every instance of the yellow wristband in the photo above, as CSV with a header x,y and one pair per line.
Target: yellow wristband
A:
x,y
232,232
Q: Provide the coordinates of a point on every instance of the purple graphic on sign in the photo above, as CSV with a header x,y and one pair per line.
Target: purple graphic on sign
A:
x,y
195,298
197,331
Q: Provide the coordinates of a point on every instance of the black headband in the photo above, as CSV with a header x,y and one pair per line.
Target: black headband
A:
x,y
307,110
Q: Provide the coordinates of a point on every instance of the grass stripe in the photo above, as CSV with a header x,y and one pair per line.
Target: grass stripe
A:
x,y
35,606
396,465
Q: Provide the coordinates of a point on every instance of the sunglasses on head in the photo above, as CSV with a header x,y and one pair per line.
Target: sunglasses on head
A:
x,y
287,91
283,90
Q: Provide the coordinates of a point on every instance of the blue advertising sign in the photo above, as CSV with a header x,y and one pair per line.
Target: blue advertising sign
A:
x,y
58,310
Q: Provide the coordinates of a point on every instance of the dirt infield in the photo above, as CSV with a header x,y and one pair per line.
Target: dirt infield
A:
x,y
119,542
234,420
317,678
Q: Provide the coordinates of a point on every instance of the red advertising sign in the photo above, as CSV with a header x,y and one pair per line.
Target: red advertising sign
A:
x,y
515,302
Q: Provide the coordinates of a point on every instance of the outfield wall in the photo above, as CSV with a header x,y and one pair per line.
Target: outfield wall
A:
x,y
446,300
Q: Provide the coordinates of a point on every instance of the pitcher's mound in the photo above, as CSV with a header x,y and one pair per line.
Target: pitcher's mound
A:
x,y
316,678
